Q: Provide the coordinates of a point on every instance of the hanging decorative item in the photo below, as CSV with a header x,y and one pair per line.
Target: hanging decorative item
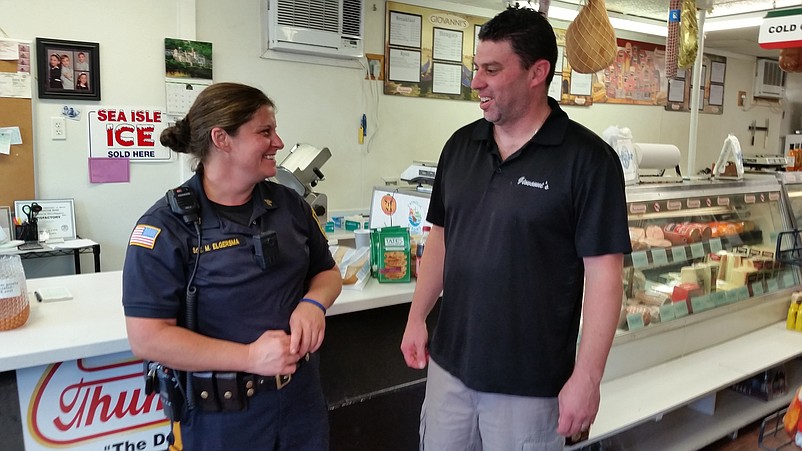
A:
x,y
689,34
543,7
14,305
789,59
672,39
590,39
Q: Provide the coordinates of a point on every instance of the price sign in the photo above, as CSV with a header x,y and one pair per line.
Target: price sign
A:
x,y
772,285
680,309
639,259
660,257
697,250
667,313
679,254
635,321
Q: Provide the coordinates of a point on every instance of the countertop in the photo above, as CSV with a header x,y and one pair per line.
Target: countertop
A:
x,y
93,324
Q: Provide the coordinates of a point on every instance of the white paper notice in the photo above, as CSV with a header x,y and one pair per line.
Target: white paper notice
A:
x,y
13,133
446,78
447,45
580,83
558,65
716,95
404,65
9,50
556,87
405,29
5,144
676,90
15,84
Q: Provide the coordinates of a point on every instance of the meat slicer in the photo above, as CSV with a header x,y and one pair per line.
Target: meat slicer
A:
x,y
300,170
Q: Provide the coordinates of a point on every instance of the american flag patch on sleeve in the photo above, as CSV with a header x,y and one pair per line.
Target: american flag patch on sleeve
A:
x,y
144,236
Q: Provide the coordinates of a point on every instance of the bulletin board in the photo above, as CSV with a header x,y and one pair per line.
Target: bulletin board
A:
x,y
16,169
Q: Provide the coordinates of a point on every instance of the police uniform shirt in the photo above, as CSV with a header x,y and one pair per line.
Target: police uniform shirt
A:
x,y
237,299
515,235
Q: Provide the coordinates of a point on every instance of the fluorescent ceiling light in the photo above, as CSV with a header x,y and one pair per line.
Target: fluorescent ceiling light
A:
x,y
651,27
639,27
734,22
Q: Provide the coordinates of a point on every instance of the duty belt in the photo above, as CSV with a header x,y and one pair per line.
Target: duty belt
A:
x,y
218,391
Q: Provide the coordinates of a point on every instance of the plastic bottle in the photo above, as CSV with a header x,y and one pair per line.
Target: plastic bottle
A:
x,y
790,322
798,323
421,244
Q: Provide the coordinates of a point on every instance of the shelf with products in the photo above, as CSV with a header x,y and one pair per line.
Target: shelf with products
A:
x,y
697,247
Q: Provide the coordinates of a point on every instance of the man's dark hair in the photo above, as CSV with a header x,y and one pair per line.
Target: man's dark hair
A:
x,y
529,33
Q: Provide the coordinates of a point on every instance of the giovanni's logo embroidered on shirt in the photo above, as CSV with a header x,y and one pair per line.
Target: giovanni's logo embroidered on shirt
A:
x,y
541,185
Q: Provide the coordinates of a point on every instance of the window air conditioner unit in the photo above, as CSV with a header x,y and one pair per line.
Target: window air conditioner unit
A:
x,y
769,79
331,28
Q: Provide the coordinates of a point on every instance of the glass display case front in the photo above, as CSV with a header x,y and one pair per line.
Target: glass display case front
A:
x,y
698,246
792,181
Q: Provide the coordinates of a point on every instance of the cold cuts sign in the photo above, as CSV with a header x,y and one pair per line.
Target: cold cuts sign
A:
x,y
781,29
93,404
127,133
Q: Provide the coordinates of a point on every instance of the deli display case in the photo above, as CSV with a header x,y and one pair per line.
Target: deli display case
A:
x,y
703,309
700,246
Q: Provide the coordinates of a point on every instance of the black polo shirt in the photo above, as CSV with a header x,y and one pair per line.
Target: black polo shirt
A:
x,y
515,235
237,299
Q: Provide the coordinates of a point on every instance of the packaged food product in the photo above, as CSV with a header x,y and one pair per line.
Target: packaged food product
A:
x,y
391,251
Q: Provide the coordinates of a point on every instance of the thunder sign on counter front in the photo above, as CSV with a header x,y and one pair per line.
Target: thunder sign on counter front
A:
x,y
97,403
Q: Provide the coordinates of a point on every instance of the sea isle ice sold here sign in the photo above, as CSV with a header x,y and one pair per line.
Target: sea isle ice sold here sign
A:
x,y
131,133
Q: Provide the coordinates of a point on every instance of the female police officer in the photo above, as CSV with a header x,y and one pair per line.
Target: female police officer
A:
x,y
262,275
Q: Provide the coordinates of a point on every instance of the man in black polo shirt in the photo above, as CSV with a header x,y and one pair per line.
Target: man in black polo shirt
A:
x,y
528,212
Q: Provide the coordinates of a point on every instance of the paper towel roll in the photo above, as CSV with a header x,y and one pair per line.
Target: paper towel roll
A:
x,y
657,156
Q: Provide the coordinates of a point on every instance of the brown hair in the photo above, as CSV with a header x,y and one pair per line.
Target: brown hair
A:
x,y
224,105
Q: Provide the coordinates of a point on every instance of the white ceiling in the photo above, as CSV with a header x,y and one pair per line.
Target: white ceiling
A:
x,y
742,41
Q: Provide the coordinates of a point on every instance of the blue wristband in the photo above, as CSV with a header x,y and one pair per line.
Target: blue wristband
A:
x,y
316,303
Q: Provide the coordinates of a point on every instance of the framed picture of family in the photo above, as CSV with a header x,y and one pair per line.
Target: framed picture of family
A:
x,y
68,69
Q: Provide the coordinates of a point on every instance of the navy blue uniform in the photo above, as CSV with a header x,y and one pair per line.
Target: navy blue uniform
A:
x,y
515,234
237,301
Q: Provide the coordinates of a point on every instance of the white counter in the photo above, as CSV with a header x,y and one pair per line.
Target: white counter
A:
x,y
646,396
93,324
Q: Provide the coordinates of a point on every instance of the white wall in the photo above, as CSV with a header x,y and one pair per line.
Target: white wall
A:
x,y
317,104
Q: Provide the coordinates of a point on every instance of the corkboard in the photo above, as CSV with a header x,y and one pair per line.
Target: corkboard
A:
x,y
16,169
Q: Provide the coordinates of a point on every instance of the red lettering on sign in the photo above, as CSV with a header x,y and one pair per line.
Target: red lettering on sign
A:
x,y
144,136
122,135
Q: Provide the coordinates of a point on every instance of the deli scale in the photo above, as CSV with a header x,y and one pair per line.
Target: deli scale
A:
x,y
420,173
300,170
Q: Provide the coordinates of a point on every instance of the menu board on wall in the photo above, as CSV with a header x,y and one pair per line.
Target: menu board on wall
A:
x,y
429,52
711,93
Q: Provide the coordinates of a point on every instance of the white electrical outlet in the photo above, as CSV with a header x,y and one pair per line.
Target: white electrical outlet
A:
x,y
58,128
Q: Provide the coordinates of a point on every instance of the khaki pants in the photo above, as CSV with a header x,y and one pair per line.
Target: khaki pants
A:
x,y
456,418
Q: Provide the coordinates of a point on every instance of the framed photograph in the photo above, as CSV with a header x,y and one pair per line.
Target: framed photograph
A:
x,y
6,230
68,69
56,217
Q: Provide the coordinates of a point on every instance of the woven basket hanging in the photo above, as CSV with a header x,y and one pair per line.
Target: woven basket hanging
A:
x,y
590,39
14,306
